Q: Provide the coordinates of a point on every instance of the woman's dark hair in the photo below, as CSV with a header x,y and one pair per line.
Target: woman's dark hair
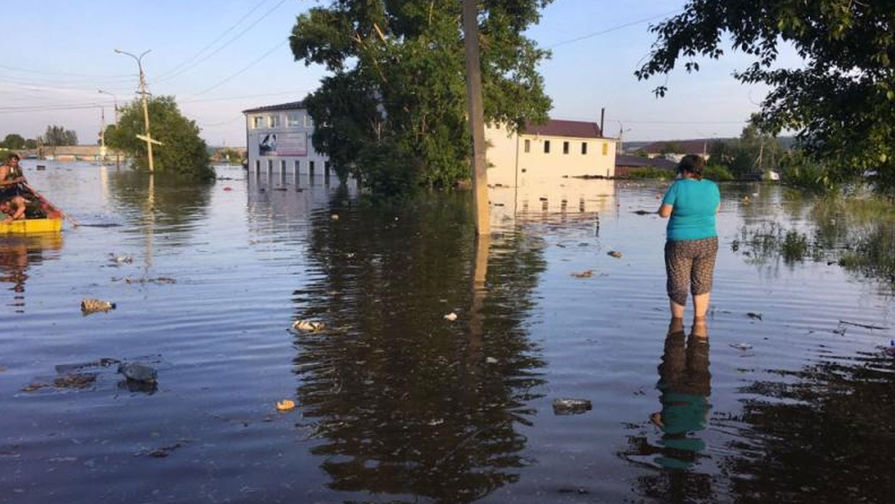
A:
x,y
13,155
692,164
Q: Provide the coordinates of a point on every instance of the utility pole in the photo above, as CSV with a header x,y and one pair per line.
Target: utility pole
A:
x,y
115,101
481,212
147,137
102,135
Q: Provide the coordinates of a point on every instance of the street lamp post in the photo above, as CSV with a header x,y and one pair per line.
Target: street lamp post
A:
x,y
115,101
147,137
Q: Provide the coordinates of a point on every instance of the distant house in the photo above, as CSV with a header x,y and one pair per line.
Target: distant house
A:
x,y
546,153
676,149
624,165
278,137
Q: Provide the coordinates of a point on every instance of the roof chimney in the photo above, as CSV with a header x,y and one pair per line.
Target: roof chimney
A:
x,y
602,117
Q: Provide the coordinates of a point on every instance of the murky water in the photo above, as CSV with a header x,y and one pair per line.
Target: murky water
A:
x,y
398,404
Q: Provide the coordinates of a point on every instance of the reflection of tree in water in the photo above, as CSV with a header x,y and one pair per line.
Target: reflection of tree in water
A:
x,y
168,199
406,402
823,435
18,254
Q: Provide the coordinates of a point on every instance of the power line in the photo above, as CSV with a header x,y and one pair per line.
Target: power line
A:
x,y
219,49
243,69
213,42
610,29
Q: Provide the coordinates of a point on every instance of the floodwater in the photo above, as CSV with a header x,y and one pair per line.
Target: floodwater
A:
x,y
789,401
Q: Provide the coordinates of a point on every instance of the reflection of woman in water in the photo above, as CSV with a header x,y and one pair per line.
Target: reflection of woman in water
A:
x,y
13,264
685,384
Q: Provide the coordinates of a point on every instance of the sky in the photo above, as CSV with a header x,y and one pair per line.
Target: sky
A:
x,y
219,57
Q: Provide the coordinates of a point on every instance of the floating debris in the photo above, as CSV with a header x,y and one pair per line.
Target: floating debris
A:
x,y
75,381
451,317
308,326
571,406
285,405
490,360
584,274
890,350
158,281
865,326
228,188
31,387
753,315
334,216
123,259
741,346
90,305
615,253
134,371
643,212
164,451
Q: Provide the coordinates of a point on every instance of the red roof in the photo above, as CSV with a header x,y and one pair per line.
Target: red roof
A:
x,y
555,127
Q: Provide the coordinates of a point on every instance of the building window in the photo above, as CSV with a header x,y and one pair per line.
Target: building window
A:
x,y
583,147
273,121
283,165
605,148
257,165
297,165
565,147
308,121
257,122
293,119
546,146
311,166
527,146
270,164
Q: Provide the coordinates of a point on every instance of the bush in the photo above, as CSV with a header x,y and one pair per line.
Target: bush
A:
x,y
717,173
651,173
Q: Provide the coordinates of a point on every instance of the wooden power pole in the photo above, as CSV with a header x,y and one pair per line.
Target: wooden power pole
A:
x,y
481,212
147,137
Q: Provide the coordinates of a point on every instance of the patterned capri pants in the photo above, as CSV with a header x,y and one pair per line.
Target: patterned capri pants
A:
x,y
690,265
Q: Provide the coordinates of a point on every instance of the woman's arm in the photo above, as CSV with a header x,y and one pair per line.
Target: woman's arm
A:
x,y
665,211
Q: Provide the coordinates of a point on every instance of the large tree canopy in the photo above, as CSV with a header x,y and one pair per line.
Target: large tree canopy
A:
x,y
182,151
393,110
841,102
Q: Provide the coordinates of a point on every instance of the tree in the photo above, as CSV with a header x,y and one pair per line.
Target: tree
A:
x,y
14,141
182,151
30,143
58,135
393,111
841,102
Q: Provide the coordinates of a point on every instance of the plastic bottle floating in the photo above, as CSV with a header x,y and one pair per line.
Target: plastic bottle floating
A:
x,y
285,405
90,305
308,326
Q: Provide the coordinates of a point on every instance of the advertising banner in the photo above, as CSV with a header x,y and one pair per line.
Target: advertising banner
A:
x,y
282,144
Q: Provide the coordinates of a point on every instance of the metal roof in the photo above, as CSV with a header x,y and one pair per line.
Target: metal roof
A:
x,y
281,106
556,127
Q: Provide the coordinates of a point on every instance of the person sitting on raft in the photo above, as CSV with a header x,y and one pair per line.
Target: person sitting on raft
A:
x,y
14,208
11,177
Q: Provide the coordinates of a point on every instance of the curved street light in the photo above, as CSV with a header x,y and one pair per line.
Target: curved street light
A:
x,y
147,137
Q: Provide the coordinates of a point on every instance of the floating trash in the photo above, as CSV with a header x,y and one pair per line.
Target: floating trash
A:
x,y
753,315
308,325
451,317
614,253
571,406
228,188
134,371
90,305
334,216
123,259
584,274
490,360
741,346
285,405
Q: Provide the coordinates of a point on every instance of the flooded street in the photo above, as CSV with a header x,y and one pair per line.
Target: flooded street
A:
x,y
792,400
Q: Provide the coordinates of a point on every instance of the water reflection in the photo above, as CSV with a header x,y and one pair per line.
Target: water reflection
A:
x,y
685,387
820,434
165,201
403,401
20,253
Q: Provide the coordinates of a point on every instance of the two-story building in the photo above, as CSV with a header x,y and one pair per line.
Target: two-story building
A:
x,y
278,138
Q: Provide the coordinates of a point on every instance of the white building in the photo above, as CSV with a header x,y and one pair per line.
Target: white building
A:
x,y
550,168
548,153
278,138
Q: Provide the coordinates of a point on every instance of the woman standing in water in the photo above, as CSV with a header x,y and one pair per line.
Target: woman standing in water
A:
x,y
692,240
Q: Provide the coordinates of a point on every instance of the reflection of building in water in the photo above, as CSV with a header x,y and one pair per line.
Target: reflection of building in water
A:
x,y
279,140
17,255
278,197
560,166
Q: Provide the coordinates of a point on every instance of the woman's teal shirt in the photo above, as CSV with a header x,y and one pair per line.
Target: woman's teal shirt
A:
x,y
694,203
